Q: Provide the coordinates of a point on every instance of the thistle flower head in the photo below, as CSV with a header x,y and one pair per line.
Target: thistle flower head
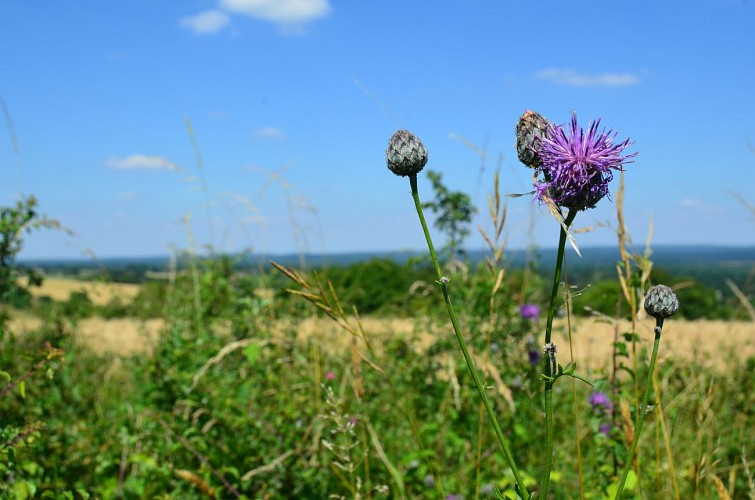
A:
x,y
406,155
577,165
530,130
661,302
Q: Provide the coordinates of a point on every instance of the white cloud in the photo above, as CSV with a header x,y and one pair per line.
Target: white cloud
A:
x,y
209,21
270,134
567,76
283,12
691,202
141,162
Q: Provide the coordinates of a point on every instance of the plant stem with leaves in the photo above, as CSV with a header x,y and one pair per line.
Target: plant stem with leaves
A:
x,y
642,410
443,282
547,365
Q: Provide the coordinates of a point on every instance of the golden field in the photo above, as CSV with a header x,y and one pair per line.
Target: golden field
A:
x,y
707,342
99,293
714,344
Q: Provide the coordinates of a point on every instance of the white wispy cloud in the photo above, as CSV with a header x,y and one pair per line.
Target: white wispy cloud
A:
x,y
206,22
691,202
285,13
270,134
568,76
141,162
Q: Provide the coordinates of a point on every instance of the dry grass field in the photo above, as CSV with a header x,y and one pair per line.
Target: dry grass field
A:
x,y
714,344
709,343
60,289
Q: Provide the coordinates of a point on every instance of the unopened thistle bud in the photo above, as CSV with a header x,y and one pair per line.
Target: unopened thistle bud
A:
x,y
661,302
530,129
550,349
406,155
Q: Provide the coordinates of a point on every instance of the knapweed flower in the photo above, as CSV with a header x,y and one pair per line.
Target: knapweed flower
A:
x,y
330,376
600,400
605,429
577,165
530,129
529,311
406,155
661,302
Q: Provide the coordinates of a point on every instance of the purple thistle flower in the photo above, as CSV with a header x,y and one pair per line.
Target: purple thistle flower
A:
x,y
529,311
605,429
577,165
600,399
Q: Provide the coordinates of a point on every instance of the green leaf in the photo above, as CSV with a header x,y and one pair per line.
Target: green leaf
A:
x,y
252,352
629,336
5,375
22,388
629,486
621,349
23,490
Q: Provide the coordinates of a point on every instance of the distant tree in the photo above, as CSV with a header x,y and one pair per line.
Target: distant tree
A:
x,y
15,221
453,211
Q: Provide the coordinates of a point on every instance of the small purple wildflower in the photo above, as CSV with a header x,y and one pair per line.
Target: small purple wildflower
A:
x,y
577,165
330,375
529,311
600,399
534,356
605,429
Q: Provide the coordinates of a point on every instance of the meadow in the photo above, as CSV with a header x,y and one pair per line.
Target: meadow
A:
x,y
237,388
710,343
426,378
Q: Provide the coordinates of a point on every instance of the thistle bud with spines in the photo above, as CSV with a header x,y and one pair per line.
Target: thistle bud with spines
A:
x,y
530,130
406,155
661,302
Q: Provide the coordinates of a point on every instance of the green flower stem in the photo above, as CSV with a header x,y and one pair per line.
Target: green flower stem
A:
x,y
547,369
642,410
467,357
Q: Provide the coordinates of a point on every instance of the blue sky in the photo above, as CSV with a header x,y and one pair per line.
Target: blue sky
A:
x,y
292,102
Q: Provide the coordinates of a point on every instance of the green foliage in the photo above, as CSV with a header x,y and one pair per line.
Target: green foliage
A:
x,y
230,402
225,402
14,223
453,213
